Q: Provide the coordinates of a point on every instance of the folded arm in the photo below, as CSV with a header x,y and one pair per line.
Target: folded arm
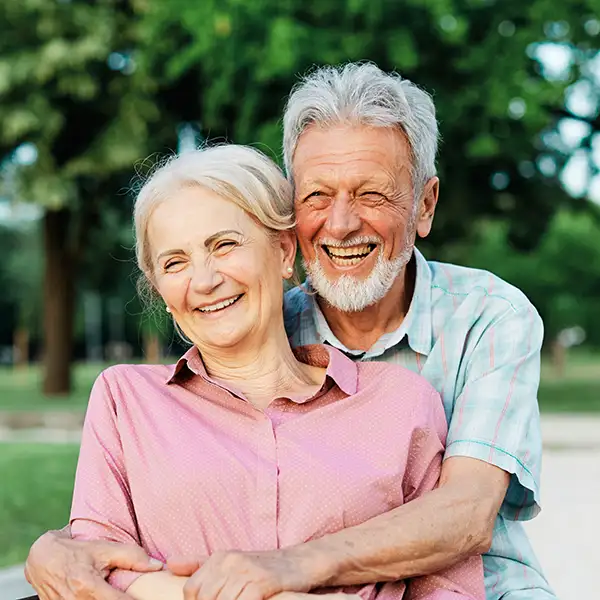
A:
x,y
491,465
433,532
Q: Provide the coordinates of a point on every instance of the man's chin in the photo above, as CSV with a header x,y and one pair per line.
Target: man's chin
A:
x,y
349,292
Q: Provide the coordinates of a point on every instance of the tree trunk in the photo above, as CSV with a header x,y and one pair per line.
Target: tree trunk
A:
x,y
59,287
559,358
21,347
151,348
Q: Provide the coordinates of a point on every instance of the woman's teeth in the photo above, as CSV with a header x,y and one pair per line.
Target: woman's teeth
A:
x,y
219,305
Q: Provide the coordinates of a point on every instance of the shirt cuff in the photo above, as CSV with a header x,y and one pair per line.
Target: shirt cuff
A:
x,y
522,501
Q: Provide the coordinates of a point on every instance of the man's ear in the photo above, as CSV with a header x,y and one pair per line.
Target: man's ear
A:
x,y
427,204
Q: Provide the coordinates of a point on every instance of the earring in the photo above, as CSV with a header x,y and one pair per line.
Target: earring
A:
x,y
167,309
290,270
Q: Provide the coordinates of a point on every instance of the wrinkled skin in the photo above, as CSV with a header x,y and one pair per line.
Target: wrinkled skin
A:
x,y
62,569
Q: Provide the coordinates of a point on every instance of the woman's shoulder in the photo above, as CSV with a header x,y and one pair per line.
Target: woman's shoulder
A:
x,y
133,379
393,376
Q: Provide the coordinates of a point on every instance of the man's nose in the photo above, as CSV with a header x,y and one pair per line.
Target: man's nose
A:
x,y
343,219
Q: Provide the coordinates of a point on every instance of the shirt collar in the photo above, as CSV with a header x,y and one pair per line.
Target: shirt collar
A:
x,y
190,360
416,326
342,370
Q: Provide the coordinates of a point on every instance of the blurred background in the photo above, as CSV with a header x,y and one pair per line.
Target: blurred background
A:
x,y
88,90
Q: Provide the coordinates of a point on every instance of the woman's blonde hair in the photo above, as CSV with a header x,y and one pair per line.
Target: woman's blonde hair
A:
x,y
239,174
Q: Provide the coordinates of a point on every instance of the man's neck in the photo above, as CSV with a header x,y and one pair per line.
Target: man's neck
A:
x,y
360,330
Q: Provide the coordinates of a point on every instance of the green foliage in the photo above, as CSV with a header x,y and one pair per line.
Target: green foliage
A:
x,y
20,277
57,91
238,60
561,277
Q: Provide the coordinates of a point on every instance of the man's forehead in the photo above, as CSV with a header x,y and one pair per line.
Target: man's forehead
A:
x,y
332,177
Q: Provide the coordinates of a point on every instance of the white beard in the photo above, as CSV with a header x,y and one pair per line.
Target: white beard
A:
x,y
349,294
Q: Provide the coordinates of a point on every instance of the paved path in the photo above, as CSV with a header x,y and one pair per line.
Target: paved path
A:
x,y
13,584
565,535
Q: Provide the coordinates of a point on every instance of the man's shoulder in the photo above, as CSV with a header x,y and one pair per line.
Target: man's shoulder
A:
x,y
456,285
296,300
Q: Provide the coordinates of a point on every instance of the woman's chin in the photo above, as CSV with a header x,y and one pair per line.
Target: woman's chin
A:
x,y
223,337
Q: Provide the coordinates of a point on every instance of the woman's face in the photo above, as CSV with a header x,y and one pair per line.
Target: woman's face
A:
x,y
217,269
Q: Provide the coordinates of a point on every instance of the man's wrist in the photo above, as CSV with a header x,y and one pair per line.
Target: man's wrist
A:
x,y
319,561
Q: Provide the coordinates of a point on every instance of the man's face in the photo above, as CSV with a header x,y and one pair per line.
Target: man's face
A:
x,y
356,216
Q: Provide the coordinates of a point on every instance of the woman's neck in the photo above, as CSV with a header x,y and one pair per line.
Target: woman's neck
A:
x,y
264,369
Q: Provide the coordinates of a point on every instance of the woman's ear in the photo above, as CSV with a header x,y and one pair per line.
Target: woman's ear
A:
x,y
288,245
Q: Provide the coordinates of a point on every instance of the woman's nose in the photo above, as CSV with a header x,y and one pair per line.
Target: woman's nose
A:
x,y
205,278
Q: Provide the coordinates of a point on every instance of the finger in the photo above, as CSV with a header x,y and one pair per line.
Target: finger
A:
x,y
233,590
250,592
211,587
184,566
109,555
192,586
92,587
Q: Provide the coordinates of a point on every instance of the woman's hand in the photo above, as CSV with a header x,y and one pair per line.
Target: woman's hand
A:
x,y
60,568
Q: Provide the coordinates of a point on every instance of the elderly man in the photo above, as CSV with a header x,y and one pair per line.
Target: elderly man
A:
x,y
360,148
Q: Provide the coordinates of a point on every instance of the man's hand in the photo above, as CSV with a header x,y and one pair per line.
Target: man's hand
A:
x,y
246,575
60,568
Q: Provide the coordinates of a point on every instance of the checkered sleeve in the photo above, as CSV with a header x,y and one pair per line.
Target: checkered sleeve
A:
x,y
496,417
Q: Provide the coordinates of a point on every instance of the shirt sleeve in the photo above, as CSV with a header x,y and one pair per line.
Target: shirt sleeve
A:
x,y
496,417
463,581
102,508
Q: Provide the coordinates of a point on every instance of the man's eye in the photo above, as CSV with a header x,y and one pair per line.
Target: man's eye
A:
x,y
314,195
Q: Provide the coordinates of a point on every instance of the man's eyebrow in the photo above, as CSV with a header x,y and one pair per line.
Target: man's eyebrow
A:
x,y
210,239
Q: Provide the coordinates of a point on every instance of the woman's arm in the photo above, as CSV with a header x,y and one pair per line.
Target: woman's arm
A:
x,y
102,506
157,586
166,586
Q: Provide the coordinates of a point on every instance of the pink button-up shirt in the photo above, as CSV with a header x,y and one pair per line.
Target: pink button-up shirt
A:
x,y
180,463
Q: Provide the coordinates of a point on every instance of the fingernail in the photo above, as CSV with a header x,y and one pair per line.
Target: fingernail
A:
x,y
154,562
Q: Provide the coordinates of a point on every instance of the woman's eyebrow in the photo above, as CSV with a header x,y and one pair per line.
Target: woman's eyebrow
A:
x,y
169,253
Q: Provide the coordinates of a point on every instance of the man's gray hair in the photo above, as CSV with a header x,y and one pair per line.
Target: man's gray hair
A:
x,y
361,93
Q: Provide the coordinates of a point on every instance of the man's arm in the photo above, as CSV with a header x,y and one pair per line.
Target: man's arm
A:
x,y
431,533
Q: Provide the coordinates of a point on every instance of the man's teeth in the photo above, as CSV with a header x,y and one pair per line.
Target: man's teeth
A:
x,y
219,305
350,250
350,255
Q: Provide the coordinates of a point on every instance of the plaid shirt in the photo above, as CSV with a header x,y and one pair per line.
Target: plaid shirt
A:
x,y
477,340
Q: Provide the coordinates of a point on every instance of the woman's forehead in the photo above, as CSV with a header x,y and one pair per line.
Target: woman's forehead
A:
x,y
195,214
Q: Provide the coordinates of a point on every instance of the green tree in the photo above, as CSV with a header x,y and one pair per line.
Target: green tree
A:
x,y
562,275
71,89
230,64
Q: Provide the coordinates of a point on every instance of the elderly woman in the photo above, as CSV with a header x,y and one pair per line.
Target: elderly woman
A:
x,y
245,443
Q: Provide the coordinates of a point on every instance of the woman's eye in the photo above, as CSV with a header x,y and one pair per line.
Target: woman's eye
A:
x,y
224,245
171,264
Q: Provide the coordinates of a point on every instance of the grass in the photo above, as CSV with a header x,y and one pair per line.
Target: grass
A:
x,y
20,389
577,390
35,494
36,480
